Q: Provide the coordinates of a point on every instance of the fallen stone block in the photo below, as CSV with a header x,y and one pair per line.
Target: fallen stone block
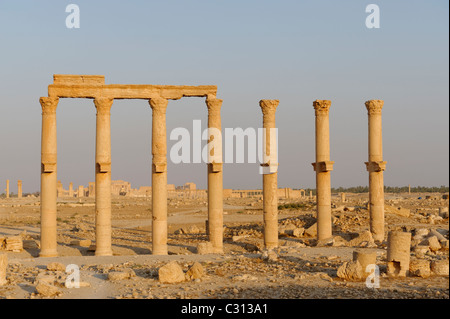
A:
x,y
433,243
47,290
397,211
14,243
440,267
55,266
196,271
204,248
420,268
364,239
311,231
81,243
171,273
351,271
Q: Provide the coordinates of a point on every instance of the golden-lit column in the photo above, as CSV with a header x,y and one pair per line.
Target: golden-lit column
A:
x,y
215,175
103,177
7,188
48,177
270,175
19,189
71,189
375,166
323,166
159,176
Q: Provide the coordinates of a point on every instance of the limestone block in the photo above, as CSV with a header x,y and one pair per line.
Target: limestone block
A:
x,y
45,278
433,243
311,231
352,271
298,232
171,273
420,268
14,243
204,248
47,290
443,212
3,267
364,239
196,271
118,275
397,210
440,267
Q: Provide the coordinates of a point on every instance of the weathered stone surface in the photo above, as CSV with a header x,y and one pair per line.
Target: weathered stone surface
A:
x,y
171,273
81,243
400,211
440,267
47,290
118,275
14,243
311,231
196,271
365,257
364,239
351,271
55,266
3,267
204,248
398,253
298,232
269,255
420,268
45,278
433,243
30,244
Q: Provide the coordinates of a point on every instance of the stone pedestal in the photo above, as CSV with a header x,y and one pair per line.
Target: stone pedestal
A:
x,y
270,174
398,253
323,166
103,177
159,176
48,177
376,166
215,175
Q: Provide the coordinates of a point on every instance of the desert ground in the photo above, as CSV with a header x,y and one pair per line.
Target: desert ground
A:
x,y
298,269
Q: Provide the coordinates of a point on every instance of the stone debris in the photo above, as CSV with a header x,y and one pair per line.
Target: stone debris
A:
x,y
55,266
126,273
204,248
269,255
47,290
433,243
171,273
81,243
397,211
14,243
364,239
196,271
351,271
3,267
420,268
311,231
440,267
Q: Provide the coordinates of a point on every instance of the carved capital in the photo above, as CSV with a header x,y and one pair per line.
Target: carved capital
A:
x,y
103,105
322,107
269,107
213,105
158,105
374,106
49,104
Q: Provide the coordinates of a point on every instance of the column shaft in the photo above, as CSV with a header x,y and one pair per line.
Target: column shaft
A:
x,y
323,166
270,175
48,177
159,176
376,166
215,175
103,177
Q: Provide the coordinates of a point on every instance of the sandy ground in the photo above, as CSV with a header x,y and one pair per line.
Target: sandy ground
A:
x,y
299,270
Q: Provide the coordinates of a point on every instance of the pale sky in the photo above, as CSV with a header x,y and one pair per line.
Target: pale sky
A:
x,y
294,51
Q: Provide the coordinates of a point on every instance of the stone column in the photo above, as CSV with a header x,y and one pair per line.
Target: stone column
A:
x,y
323,166
375,166
7,188
398,253
103,177
270,175
3,267
71,189
19,189
80,191
48,177
215,175
343,197
159,176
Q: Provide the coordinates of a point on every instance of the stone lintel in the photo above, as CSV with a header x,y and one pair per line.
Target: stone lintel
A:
x,y
69,79
117,91
379,166
324,166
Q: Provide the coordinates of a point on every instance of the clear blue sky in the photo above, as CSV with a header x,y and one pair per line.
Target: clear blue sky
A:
x,y
294,51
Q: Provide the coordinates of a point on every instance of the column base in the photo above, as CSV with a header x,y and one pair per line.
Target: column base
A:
x,y
107,252
48,253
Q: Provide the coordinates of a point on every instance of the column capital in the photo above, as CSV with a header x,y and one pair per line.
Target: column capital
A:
x,y
322,107
374,106
377,166
49,104
214,105
269,106
103,104
158,104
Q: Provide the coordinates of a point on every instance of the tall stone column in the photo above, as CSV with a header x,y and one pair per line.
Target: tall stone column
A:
x,y
19,189
270,175
71,189
323,166
7,188
375,166
159,176
215,175
103,177
48,177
